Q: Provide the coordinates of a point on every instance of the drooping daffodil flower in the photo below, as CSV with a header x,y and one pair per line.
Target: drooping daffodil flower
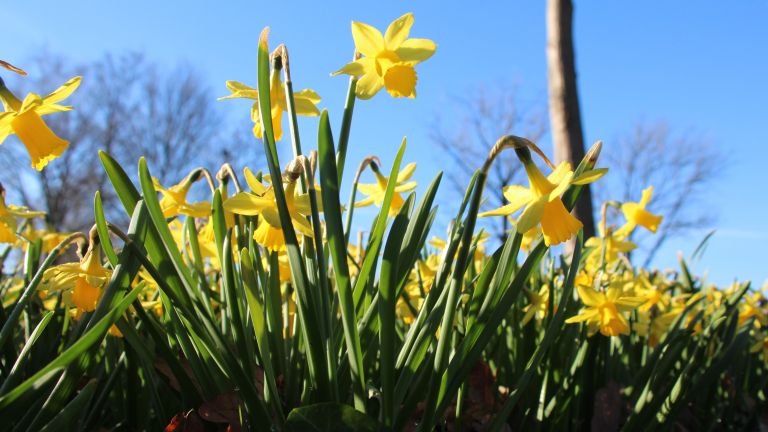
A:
x,y
24,118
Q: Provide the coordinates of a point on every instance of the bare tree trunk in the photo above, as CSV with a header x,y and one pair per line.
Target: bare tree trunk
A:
x,y
564,114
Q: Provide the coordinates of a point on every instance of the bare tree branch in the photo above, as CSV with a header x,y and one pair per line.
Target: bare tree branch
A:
x,y
485,116
681,166
128,107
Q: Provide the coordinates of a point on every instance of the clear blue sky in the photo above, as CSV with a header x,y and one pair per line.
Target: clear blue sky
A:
x,y
697,64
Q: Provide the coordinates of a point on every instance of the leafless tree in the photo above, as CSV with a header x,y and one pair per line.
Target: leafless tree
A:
x,y
680,165
128,107
487,114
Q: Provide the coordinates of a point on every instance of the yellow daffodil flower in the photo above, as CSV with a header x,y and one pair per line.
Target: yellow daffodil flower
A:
x,y
605,310
752,306
174,200
387,60
82,281
655,295
606,248
405,308
24,118
437,243
651,326
305,103
8,216
636,214
376,191
539,304
50,239
543,203
261,202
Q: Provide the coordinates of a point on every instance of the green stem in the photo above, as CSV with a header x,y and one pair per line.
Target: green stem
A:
x,y
346,124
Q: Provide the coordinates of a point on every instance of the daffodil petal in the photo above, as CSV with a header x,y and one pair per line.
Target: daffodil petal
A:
x,y
584,316
565,182
5,125
589,296
501,211
303,226
646,196
532,214
309,95
398,31
369,189
589,176
368,85
62,92
32,101
240,90
256,186
517,196
405,187
559,172
357,68
629,303
406,173
305,107
416,50
365,202
248,204
52,108
368,40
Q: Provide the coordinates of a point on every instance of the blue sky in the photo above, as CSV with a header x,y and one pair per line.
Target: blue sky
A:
x,y
697,65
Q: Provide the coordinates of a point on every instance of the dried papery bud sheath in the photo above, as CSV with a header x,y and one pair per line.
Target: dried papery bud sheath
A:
x,y
506,142
294,169
93,237
264,39
370,160
12,68
198,173
227,173
280,61
590,159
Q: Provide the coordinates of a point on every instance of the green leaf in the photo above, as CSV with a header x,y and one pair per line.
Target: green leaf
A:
x,y
338,251
101,225
89,339
69,416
